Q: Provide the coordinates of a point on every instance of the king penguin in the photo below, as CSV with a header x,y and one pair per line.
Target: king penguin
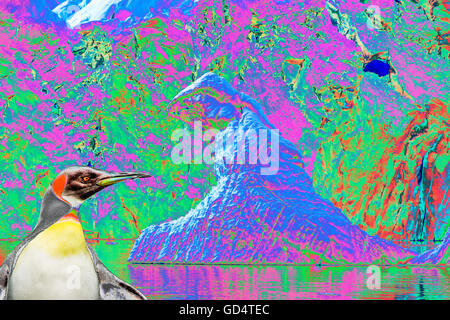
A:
x,y
54,261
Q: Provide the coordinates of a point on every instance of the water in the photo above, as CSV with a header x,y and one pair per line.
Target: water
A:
x,y
267,282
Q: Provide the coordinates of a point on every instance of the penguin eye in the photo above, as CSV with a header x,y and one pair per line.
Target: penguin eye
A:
x,y
86,178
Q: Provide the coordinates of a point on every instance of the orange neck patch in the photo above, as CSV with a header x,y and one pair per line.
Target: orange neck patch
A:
x,y
59,184
72,215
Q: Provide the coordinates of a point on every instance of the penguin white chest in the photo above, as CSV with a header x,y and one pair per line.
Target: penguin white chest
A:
x,y
55,265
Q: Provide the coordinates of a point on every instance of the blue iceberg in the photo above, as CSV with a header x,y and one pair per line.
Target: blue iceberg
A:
x,y
250,217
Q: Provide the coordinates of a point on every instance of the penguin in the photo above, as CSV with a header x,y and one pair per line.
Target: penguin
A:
x,y
54,261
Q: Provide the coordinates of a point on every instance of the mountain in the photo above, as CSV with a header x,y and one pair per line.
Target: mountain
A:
x,y
253,214
75,13
78,12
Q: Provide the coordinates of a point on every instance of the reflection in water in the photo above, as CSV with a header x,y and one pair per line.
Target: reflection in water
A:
x,y
267,282
287,282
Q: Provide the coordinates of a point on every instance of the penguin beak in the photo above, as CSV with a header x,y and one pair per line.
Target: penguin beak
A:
x,y
114,178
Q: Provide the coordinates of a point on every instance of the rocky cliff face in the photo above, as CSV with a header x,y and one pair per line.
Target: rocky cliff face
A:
x,y
251,216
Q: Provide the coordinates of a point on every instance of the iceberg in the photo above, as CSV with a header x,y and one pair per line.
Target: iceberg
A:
x,y
440,255
250,217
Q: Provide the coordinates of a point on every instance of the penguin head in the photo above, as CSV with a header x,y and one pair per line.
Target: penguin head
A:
x,y
71,188
76,184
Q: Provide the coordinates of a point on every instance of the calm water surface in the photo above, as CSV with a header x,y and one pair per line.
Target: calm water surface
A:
x,y
267,282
